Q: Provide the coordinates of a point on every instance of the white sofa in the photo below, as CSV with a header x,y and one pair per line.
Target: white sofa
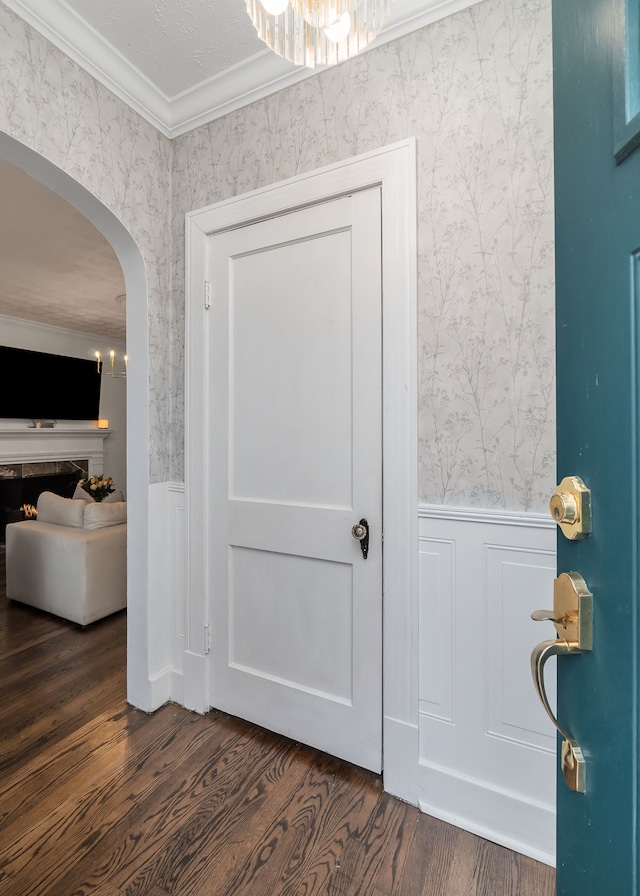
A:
x,y
72,560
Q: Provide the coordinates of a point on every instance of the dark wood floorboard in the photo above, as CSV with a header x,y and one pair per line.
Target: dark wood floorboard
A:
x,y
99,798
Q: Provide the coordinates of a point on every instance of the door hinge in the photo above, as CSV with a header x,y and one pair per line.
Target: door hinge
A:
x,y
207,638
207,295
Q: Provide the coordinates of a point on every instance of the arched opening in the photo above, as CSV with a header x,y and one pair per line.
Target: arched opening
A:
x,y
137,386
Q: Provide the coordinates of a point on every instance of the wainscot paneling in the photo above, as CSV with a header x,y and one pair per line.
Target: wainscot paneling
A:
x,y
167,588
486,758
487,749
177,581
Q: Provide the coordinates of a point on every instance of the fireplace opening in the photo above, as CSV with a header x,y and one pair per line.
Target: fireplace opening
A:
x,y
22,484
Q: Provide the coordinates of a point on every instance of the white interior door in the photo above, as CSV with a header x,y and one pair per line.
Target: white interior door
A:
x,y
296,461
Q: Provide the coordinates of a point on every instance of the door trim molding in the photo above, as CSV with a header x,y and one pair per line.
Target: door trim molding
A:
x,y
393,168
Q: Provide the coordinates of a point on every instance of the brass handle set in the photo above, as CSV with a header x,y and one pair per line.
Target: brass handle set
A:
x,y
572,616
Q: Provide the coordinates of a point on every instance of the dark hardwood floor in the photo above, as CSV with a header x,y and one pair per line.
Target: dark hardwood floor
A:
x,y
97,797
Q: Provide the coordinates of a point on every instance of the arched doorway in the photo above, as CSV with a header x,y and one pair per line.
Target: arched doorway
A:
x,y
132,263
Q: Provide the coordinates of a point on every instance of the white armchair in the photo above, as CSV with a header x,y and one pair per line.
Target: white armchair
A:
x,y
71,561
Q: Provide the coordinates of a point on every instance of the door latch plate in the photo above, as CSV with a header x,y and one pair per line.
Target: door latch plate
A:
x,y
573,766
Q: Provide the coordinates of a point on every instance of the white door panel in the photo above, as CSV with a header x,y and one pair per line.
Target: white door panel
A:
x,y
289,596
296,460
292,350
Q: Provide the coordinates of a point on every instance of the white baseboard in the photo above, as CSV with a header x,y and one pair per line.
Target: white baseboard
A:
x,y
489,812
160,690
196,682
400,757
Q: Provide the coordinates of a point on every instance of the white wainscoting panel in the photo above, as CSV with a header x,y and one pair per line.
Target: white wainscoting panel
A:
x,y
487,749
167,590
437,627
177,579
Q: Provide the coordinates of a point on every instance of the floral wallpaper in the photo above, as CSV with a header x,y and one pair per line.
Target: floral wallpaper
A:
x,y
53,106
475,90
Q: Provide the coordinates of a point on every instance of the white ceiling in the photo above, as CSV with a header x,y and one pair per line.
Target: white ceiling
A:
x,y
179,63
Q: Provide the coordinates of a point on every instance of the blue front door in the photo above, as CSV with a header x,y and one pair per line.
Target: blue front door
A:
x,y
597,170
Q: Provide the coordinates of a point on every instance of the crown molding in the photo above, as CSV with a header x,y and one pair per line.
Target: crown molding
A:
x,y
251,80
265,73
68,32
12,325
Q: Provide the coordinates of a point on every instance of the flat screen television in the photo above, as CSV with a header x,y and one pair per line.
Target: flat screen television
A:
x,y
41,386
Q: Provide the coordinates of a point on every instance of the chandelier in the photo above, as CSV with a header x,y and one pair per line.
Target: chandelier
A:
x,y
318,32
112,361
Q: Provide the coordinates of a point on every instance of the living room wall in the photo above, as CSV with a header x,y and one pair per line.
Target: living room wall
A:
x,y
113,397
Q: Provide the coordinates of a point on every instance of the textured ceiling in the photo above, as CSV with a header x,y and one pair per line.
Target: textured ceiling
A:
x,y
175,43
55,266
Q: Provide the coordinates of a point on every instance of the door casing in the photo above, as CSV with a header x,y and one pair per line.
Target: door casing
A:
x,y
393,168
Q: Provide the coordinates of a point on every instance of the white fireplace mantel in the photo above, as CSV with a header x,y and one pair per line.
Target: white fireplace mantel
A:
x,y
25,445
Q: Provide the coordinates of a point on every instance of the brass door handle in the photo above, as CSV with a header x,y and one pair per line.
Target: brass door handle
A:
x,y
573,618
544,651
550,616
572,758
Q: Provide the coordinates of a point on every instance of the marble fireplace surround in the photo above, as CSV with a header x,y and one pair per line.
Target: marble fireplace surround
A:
x,y
29,454
37,469
21,485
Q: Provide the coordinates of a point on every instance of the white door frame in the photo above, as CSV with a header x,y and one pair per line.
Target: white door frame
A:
x,y
393,168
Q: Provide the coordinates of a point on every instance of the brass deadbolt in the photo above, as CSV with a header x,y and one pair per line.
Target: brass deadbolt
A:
x,y
570,507
564,508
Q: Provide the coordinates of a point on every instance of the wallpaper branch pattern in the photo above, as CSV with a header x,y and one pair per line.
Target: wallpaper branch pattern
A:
x,y
54,107
475,90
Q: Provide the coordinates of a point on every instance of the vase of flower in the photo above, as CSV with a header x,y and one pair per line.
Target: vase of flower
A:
x,y
97,486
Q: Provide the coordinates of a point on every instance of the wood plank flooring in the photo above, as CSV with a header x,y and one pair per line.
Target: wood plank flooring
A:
x,y
99,798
